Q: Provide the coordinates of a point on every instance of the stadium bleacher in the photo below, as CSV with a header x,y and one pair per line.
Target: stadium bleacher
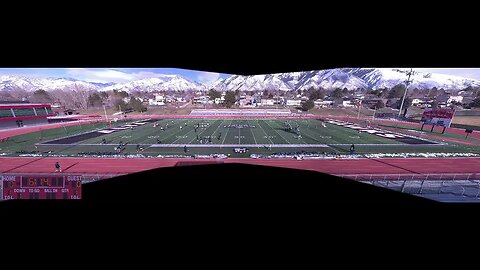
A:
x,y
256,112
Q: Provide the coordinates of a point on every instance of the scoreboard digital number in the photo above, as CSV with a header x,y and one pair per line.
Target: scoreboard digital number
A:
x,y
41,187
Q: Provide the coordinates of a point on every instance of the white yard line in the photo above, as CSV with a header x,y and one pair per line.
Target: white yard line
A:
x,y
160,132
228,129
201,133
266,135
218,127
277,132
301,139
185,133
240,145
252,133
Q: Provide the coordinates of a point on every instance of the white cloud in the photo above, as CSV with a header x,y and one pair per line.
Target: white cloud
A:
x,y
473,73
109,75
208,77
99,75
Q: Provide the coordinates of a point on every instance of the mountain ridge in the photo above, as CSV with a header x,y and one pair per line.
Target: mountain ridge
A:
x,y
350,78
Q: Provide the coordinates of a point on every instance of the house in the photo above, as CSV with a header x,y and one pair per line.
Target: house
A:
x,y
247,101
323,103
294,102
456,99
371,102
348,103
159,100
417,102
267,102
153,102
220,100
200,100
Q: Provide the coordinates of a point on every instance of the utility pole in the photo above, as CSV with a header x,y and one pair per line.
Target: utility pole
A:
x,y
407,83
359,107
105,111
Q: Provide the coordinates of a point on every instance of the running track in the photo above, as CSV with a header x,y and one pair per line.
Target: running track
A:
x,y
346,166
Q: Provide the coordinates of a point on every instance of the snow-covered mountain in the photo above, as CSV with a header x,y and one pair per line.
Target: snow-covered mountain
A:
x,y
350,78
161,83
384,77
32,83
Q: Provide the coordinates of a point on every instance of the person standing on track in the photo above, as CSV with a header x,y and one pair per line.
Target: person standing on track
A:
x,y
352,148
57,167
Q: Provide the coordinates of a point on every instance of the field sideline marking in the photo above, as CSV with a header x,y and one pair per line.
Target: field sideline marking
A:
x,y
240,145
271,142
252,133
204,130
218,126
193,129
228,129
277,133
157,132
304,132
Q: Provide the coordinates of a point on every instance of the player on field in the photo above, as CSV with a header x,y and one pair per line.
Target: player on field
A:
x,y
57,167
352,148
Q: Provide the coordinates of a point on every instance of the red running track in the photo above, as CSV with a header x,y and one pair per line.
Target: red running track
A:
x,y
346,166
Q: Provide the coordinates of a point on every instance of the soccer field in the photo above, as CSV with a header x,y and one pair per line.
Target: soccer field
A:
x,y
215,136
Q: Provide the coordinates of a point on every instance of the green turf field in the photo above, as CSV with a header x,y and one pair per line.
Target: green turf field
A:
x,y
217,136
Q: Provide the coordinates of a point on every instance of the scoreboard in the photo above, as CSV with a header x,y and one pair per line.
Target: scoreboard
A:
x,y
438,117
41,187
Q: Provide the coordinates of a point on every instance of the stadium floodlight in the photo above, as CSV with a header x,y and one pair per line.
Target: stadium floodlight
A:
x,y
105,111
407,83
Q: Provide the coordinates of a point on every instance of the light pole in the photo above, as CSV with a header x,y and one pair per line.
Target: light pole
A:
x,y
359,107
407,82
105,111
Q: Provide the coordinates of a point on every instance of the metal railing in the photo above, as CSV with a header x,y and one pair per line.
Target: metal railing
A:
x,y
413,177
465,185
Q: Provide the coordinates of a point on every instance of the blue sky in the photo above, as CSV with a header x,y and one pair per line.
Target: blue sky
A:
x,y
117,75
120,75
